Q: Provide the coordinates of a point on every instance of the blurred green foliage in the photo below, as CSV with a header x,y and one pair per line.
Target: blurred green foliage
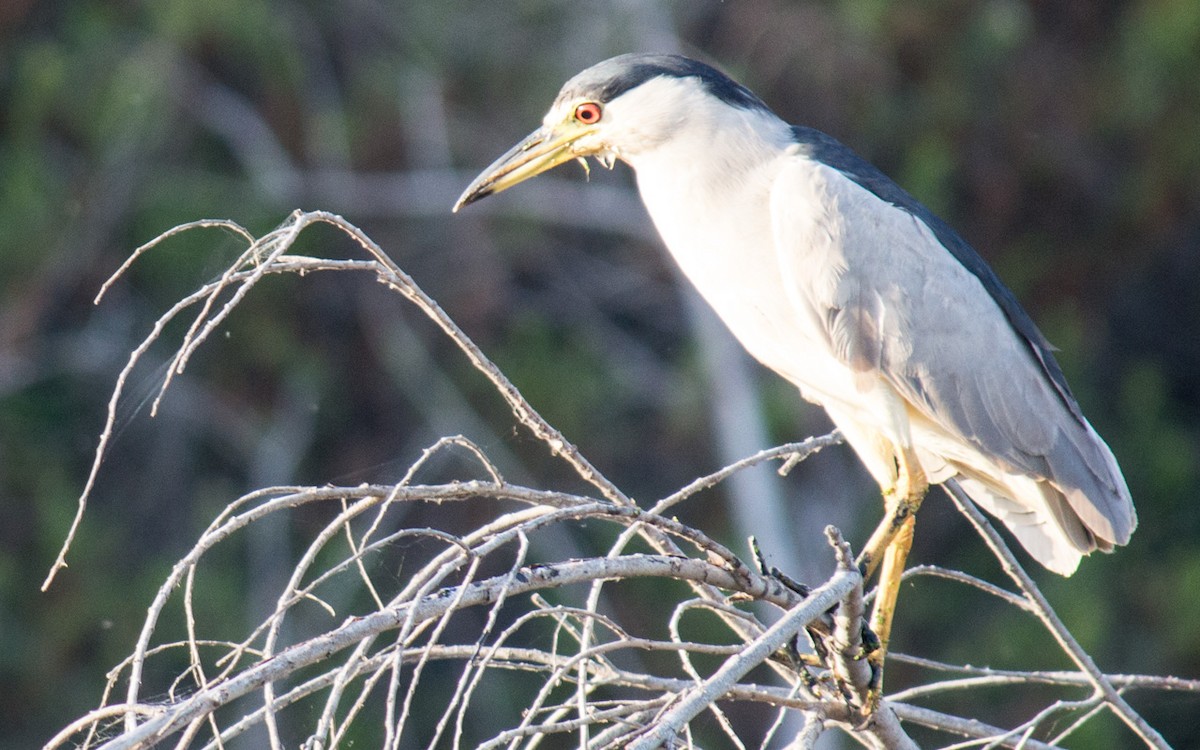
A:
x,y
1060,138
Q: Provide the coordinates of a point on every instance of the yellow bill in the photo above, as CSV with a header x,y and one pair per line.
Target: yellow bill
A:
x,y
543,149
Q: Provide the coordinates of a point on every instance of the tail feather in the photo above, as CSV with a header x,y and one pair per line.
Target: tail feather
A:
x,y
1076,503
1087,476
1039,518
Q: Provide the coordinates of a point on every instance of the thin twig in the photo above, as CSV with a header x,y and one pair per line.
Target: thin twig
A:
x,y
1050,619
755,653
382,652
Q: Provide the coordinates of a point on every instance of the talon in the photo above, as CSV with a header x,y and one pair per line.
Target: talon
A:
x,y
870,641
760,561
791,583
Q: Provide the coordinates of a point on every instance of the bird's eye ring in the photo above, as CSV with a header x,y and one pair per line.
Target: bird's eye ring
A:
x,y
588,113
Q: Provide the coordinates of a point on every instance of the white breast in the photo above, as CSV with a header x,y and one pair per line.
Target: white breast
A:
x,y
719,219
715,218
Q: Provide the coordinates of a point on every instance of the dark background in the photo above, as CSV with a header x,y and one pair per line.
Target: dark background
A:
x,y
1059,138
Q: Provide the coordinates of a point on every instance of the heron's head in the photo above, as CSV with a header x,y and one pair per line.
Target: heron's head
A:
x,y
615,110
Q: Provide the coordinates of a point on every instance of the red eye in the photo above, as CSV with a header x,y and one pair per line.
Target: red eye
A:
x,y
588,113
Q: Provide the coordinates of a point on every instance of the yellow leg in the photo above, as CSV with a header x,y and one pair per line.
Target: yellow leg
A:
x,y
888,591
890,544
901,502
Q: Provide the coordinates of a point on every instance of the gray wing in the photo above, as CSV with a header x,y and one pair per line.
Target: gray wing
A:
x,y
910,299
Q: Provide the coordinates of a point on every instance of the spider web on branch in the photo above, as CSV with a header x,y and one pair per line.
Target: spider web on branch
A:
x,y
398,635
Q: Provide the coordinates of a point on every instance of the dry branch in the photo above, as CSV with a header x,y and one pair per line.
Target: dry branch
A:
x,y
352,648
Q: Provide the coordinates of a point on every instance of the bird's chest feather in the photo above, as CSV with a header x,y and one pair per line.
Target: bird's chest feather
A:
x,y
717,224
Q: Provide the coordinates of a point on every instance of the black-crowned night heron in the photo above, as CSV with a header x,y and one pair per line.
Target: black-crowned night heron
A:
x,y
837,279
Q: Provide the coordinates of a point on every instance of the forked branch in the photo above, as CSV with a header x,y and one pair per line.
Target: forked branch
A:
x,y
351,646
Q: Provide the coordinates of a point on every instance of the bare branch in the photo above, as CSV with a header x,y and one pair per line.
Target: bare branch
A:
x,y
756,652
371,604
1051,620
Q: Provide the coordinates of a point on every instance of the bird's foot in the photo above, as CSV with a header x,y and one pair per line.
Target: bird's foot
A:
x,y
901,501
760,562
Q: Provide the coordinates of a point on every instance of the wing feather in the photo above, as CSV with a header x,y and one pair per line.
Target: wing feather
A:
x,y
897,301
